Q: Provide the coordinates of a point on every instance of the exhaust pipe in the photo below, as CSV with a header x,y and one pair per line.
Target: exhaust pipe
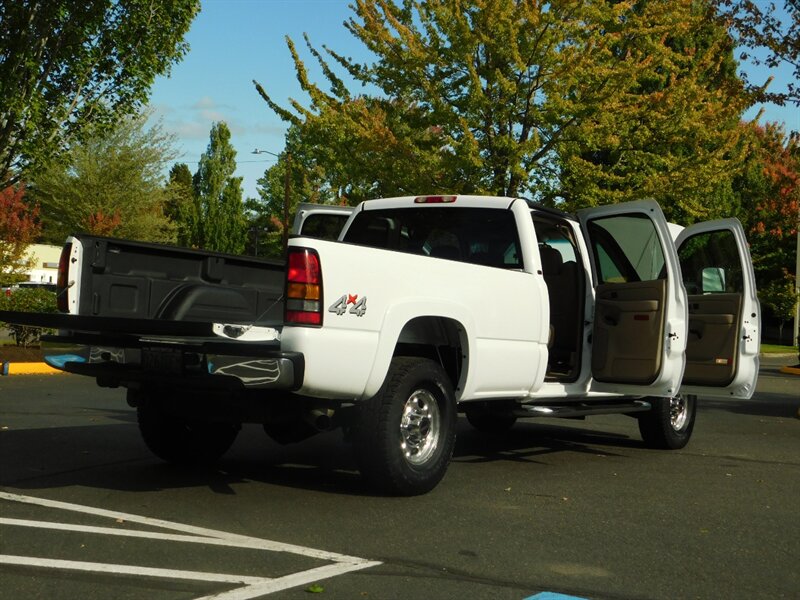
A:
x,y
320,419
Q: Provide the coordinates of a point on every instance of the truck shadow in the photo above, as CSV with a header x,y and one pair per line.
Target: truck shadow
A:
x,y
762,404
528,442
112,456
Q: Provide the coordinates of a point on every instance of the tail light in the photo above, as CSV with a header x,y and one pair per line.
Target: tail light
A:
x,y
62,283
303,288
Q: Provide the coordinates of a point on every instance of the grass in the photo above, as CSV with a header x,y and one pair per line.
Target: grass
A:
x,y
778,349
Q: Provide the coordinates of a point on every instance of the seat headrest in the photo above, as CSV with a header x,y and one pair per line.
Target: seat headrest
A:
x,y
551,260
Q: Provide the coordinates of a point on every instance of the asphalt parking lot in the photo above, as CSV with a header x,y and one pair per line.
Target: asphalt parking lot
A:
x,y
578,508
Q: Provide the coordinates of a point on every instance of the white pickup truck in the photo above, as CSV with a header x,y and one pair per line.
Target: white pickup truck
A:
x,y
424,307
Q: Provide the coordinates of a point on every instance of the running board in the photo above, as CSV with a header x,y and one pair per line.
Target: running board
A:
x,y
580,410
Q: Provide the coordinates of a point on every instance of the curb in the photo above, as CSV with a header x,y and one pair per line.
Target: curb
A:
x,y
27,368
791,370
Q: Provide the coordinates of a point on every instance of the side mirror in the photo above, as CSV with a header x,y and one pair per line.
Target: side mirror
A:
x,y
713,280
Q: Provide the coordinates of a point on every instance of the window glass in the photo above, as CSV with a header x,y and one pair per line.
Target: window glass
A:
x,y
626,249
710,263
485,236
324,227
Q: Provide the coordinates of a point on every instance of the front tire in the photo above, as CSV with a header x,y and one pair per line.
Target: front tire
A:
x,y
404,436
183,441
669,424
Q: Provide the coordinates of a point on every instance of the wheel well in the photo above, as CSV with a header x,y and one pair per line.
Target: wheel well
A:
x,y
440,339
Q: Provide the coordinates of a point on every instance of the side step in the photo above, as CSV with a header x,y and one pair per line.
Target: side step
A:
x,y
580,410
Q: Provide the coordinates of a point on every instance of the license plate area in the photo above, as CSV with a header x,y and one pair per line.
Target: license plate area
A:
x,y
162,360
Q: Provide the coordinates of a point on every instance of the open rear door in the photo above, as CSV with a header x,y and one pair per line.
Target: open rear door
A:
x,y
639,326
724,312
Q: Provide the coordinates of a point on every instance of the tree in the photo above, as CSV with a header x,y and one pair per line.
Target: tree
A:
x,y
673,135
179,202
768,195
296,176
765,35
108,184
484,97
781,297
19,227
65,66
217,220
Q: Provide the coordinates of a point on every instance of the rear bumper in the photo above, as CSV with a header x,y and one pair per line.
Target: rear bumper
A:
x,y
190,363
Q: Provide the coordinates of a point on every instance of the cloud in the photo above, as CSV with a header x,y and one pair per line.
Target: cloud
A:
x,y
208,103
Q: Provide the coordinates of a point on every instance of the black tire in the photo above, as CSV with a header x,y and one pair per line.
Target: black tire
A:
x,y
490,422
669,424
404,436
184,441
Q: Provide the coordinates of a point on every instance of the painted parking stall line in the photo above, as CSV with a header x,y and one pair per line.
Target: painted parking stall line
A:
x,y
252,587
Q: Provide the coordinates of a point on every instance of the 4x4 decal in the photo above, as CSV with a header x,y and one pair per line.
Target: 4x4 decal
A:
x,y
359,305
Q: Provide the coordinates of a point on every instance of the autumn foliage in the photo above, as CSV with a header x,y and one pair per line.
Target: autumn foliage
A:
x,y
19,227
100,223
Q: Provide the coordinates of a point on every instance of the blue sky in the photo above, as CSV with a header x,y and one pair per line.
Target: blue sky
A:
x,y
235,41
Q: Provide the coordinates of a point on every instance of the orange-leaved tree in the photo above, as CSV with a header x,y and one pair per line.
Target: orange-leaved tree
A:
x,y
19,227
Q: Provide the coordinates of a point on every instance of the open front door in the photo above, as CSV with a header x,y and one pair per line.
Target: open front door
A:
x,y
724,313
639,327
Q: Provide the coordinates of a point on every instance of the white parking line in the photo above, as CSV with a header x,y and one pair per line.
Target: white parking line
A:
x,y
75,565
254,587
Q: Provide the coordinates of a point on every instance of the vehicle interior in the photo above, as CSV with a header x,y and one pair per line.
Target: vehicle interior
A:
x,y
565,288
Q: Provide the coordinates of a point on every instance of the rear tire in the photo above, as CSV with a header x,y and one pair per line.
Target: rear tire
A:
x,y
184,441
404,436
669,424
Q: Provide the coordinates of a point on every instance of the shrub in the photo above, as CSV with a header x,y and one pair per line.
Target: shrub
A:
x,y
32,300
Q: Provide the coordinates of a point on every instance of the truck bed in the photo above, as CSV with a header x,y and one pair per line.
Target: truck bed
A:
x,y
139,280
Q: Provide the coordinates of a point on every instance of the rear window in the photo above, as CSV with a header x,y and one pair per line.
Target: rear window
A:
x,y
484,236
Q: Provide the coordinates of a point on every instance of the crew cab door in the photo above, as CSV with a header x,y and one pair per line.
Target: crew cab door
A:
x,y
639,327
724,313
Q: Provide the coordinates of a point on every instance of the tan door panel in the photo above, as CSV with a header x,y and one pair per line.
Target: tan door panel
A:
x,y
713,339
628,337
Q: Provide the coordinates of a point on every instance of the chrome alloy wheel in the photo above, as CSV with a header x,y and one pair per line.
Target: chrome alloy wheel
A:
x,y
420,427
678,412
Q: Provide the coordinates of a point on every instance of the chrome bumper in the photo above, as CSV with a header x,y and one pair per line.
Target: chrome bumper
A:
x,y
190,363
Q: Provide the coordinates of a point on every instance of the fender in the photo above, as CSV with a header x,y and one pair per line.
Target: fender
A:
x,y
396,318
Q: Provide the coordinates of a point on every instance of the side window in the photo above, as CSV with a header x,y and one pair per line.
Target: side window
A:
x,y
710,263
626,249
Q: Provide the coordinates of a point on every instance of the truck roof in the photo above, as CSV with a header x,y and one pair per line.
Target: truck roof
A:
x,y
465,200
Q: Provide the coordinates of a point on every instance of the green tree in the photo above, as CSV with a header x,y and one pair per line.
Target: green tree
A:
x,y
672,134
217,218
781,297
179,201
485,97
768,34
108,184
67,65
296,176
19,228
